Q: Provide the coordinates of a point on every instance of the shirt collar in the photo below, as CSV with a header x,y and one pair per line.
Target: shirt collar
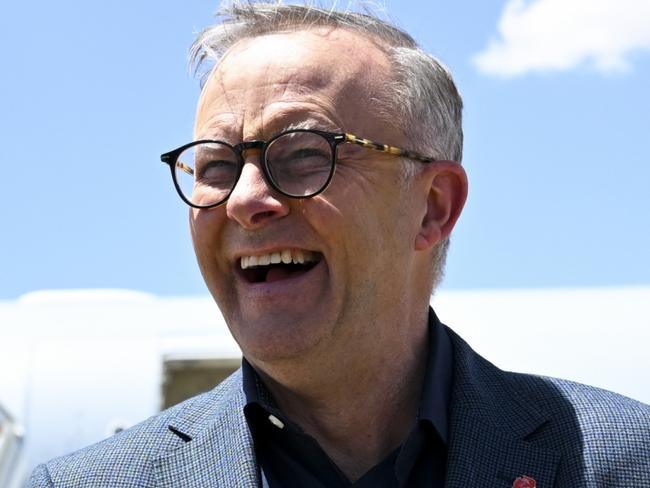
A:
x,y
254,389
436,391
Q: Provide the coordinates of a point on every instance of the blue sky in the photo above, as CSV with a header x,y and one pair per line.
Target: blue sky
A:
x,y
557,123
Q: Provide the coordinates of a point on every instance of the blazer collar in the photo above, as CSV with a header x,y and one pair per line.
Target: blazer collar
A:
x,y
220,453
491,426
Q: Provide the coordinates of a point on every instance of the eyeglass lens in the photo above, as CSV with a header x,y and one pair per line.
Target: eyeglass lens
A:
x,y
299,164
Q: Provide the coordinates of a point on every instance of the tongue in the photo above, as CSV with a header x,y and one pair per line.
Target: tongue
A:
x,y
277,273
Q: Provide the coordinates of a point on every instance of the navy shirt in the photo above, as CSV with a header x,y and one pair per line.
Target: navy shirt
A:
x,y
291,458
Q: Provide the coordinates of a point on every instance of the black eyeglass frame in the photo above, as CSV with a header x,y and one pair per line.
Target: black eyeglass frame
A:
x,y
334,140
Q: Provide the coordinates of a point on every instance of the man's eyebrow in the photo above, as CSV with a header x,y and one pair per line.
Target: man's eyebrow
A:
x,y
313,124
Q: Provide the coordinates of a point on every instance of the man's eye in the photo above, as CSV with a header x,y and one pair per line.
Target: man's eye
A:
x,y
216,172
308,152
307,159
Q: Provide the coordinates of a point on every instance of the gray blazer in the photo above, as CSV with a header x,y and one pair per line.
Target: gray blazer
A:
x,y
502,425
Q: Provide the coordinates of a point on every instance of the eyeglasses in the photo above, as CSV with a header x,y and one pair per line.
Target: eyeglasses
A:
x,y
298,163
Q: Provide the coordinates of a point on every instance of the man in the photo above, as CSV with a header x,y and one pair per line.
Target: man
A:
x,y
324,180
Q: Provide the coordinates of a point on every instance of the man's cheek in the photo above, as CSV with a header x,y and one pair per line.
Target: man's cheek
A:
x,y
204,228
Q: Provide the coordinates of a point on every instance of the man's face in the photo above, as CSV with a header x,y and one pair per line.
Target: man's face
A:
x,y
360,231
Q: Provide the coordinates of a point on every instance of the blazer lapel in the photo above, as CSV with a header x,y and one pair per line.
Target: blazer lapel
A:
x,y
480,455
220,453
491,426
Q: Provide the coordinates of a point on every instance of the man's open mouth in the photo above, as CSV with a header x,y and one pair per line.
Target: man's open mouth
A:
x,y
280,265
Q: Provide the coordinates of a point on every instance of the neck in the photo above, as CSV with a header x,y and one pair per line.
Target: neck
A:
x,y
359,407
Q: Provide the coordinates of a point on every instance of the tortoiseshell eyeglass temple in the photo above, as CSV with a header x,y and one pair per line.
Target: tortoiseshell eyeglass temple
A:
x,y
184,167
352,139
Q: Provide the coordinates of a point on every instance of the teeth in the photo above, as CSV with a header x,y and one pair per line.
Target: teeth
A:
x,y
285,256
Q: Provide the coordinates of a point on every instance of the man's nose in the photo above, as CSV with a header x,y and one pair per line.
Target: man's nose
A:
x,y
253,202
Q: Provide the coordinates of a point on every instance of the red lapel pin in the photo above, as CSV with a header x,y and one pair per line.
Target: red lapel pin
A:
x,y
524,482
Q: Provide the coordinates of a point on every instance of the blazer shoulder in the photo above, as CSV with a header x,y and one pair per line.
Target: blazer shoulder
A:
x,y
596,409
601,437
126,459
600,413
607,418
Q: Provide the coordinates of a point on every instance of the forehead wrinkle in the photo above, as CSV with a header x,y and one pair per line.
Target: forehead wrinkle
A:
x,y
293,93
217,126
289,114
272,92
221,126
207,104
329,108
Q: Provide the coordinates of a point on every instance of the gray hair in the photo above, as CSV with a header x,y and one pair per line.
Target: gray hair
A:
x,y
421,95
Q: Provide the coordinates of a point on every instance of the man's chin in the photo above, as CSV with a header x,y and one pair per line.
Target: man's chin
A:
x,y
280,336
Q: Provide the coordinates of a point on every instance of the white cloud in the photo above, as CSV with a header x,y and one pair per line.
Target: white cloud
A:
x,y
554,35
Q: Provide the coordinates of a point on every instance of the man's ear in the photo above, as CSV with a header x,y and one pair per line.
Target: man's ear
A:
x,y
445,185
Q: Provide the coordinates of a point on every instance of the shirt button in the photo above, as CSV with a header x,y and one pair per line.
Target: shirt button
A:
x,y
276,421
